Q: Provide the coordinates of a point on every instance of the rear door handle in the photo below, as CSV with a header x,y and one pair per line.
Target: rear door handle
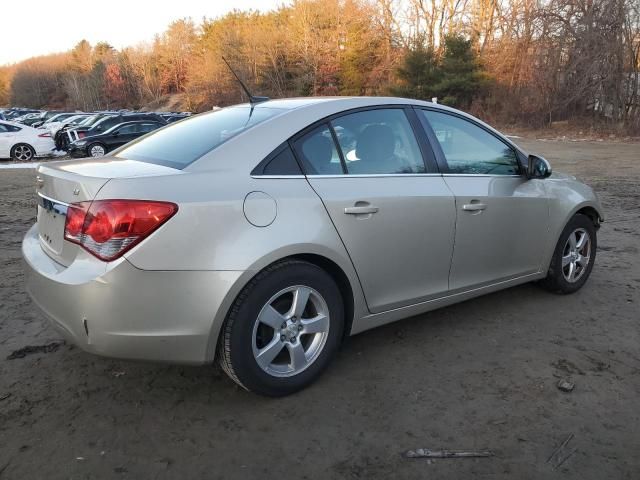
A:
x,y
474,207
360,210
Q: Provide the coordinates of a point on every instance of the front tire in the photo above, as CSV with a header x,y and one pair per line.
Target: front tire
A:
x,y
573,257
283,329
22,152
96,150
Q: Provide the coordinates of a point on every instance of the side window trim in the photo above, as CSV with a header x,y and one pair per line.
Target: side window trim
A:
x,y
338,147
428,155
443,167
440,158
258,170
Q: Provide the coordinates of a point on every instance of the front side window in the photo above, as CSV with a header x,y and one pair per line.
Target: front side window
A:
x,y
378,141
469,149
128,129
148,127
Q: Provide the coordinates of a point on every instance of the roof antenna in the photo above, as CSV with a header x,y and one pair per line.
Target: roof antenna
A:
x,y
252,100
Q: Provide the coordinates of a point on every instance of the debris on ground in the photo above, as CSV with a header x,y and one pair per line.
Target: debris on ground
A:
x,y
565,385
562,453
4,396
31,349
426,453
118,373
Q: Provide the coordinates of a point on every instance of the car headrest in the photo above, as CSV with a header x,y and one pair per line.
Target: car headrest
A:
x,y
318,151
376,143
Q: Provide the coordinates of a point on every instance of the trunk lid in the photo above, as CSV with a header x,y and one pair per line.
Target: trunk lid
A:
x,y
59,184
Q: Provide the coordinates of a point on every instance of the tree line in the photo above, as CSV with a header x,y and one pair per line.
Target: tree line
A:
x,y
531,62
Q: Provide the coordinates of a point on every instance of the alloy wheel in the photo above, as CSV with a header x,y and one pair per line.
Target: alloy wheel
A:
x,y
576,255
291,330
23,153
97,151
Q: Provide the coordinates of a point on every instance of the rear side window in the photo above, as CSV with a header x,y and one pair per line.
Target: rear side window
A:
x,y
378,141
184,142
318,152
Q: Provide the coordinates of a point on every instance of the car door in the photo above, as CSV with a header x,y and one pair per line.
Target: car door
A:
x,y
502,221
6,140
392,210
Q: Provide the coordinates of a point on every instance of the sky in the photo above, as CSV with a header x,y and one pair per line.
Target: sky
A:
x,y
39,27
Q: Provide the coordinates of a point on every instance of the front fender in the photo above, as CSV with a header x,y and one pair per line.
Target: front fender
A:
x,y
567,196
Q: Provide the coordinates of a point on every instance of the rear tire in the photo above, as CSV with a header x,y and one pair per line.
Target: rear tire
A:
x,y
22,152
283,329
573,257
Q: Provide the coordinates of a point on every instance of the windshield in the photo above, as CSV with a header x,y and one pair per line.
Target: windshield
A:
x,y
184,142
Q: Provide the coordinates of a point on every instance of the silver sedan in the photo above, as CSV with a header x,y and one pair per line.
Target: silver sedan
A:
x,y
261,235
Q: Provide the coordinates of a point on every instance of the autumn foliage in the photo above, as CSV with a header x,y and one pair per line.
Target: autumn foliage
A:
x,y
527,61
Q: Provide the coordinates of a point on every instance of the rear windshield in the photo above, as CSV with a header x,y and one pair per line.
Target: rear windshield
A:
x,y
182,143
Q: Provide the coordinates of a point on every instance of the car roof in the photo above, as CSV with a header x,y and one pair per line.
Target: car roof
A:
x,y
337,102
295,115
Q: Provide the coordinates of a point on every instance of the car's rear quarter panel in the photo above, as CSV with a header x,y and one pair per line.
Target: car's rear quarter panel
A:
x,y
211,233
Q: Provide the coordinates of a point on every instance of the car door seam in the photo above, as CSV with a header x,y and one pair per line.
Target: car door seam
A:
x,y
341,241
455,228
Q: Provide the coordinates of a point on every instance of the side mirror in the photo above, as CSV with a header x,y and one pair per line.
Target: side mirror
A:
x,y
116,133
538,167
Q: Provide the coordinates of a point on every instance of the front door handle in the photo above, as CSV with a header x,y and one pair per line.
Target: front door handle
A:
x,y
360,210
474,207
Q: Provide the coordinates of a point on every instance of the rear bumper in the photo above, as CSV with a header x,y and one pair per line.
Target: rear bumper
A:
x,y
129,313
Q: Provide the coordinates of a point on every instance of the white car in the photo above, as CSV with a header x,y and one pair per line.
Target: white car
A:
x,y
54,125
23,143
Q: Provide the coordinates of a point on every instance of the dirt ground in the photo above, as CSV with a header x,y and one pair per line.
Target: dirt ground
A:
x,y
481,374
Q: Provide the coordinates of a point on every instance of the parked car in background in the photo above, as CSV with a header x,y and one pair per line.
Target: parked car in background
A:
x,y
108,121
22,143
256,236
100,144
57,116
40,117
62,138
13,113
27,118
53,125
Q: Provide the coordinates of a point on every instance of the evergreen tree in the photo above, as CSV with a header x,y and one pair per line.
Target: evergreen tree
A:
x,y
454,77
461,78
419,73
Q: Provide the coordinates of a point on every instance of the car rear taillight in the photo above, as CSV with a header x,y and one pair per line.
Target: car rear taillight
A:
x,y
45,135
108,228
